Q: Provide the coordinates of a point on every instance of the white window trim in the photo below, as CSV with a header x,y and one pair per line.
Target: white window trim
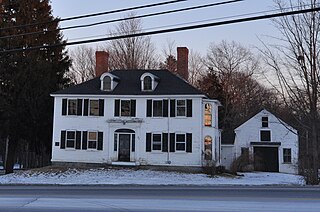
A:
x,y
284,156
265,129
75,139
185,141
158,100
90,131
264,122
204,115
120,115
89,107
161,140
76,107
154,82
113,83
185,106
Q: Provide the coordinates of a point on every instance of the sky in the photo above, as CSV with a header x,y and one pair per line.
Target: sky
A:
x,y
247,34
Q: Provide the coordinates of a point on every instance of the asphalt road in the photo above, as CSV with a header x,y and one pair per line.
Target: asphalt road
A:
x,y
158,198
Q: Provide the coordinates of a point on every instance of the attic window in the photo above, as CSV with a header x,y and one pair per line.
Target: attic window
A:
x,y
107,83
147,83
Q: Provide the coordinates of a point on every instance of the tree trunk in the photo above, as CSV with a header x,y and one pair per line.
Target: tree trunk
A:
x,y
10,156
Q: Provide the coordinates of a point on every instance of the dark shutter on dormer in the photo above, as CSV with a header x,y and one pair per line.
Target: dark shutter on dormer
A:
x,y
100,140
101,107
84,139
189,107
64,107
117,107
172,142
164,142
149,107
172,108
63,139
79,107
165,108
78,140
148,142
189,142
133,108
85,107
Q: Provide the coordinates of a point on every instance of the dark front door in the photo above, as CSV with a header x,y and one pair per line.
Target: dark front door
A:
x,y
266,159
124,147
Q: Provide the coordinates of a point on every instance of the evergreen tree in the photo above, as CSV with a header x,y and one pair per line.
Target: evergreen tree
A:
x,y
28,77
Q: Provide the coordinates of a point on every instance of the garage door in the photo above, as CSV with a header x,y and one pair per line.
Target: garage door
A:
x,y
266,159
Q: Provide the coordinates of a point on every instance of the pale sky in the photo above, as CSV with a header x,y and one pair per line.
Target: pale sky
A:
x,y
198,39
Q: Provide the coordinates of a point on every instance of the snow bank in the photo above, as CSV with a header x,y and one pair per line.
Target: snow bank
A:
x,y
144,177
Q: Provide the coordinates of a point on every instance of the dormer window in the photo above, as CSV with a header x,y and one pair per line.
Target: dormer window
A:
x,y
109,81
147,83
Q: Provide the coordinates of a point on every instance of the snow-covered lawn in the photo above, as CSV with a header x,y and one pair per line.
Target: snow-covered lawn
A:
x,y
105,176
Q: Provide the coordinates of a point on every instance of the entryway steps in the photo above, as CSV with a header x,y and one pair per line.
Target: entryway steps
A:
x,y
119,163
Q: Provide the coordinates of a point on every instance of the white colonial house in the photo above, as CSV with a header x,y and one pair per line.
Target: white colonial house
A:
x,y
137,117
271,144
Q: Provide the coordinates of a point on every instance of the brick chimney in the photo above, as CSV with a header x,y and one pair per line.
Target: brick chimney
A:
x,y
182,62
102,62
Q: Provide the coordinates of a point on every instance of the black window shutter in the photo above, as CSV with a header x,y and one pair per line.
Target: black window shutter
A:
x,y
63,139
79,107
84,139
164,142
78,140
64,107
85,107
165,108
189,107
133,143
189,142
133,108
172,108
101,107
100,140
148,142
172,142
149,107
117,107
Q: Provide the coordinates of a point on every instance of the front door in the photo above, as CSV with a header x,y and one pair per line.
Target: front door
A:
x,y
124,147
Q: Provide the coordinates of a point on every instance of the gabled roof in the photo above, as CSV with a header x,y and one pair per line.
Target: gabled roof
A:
x,y
265,111
130,84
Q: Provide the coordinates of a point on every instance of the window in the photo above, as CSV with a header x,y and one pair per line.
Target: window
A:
x,y
72,107
180,142
125,108
156,142
71,139
265,121
208,148
107,83
287,155
208,115
157,108
92,140
265,135
94,108
181,107
147,83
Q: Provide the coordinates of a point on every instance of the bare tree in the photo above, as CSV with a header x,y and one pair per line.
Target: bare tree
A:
x,y
134,52
83,64
295,63
197,67
235,67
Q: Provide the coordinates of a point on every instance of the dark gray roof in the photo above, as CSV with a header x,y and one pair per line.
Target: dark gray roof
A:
x,y
130,84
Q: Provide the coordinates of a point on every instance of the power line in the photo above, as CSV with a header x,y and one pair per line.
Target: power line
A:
x,y
248,19
125,19
97,14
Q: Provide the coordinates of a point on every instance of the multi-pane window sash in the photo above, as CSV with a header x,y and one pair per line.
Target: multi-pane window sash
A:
x,y
181,107
157,108
107,83
92,140
287,155
72,107
265,121
94,108
156,142
125,108
180,142
71,139
147,83
208,115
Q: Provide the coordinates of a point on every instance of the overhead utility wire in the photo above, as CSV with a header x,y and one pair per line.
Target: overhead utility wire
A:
x,y
97,14
125,19
197,22
255,18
